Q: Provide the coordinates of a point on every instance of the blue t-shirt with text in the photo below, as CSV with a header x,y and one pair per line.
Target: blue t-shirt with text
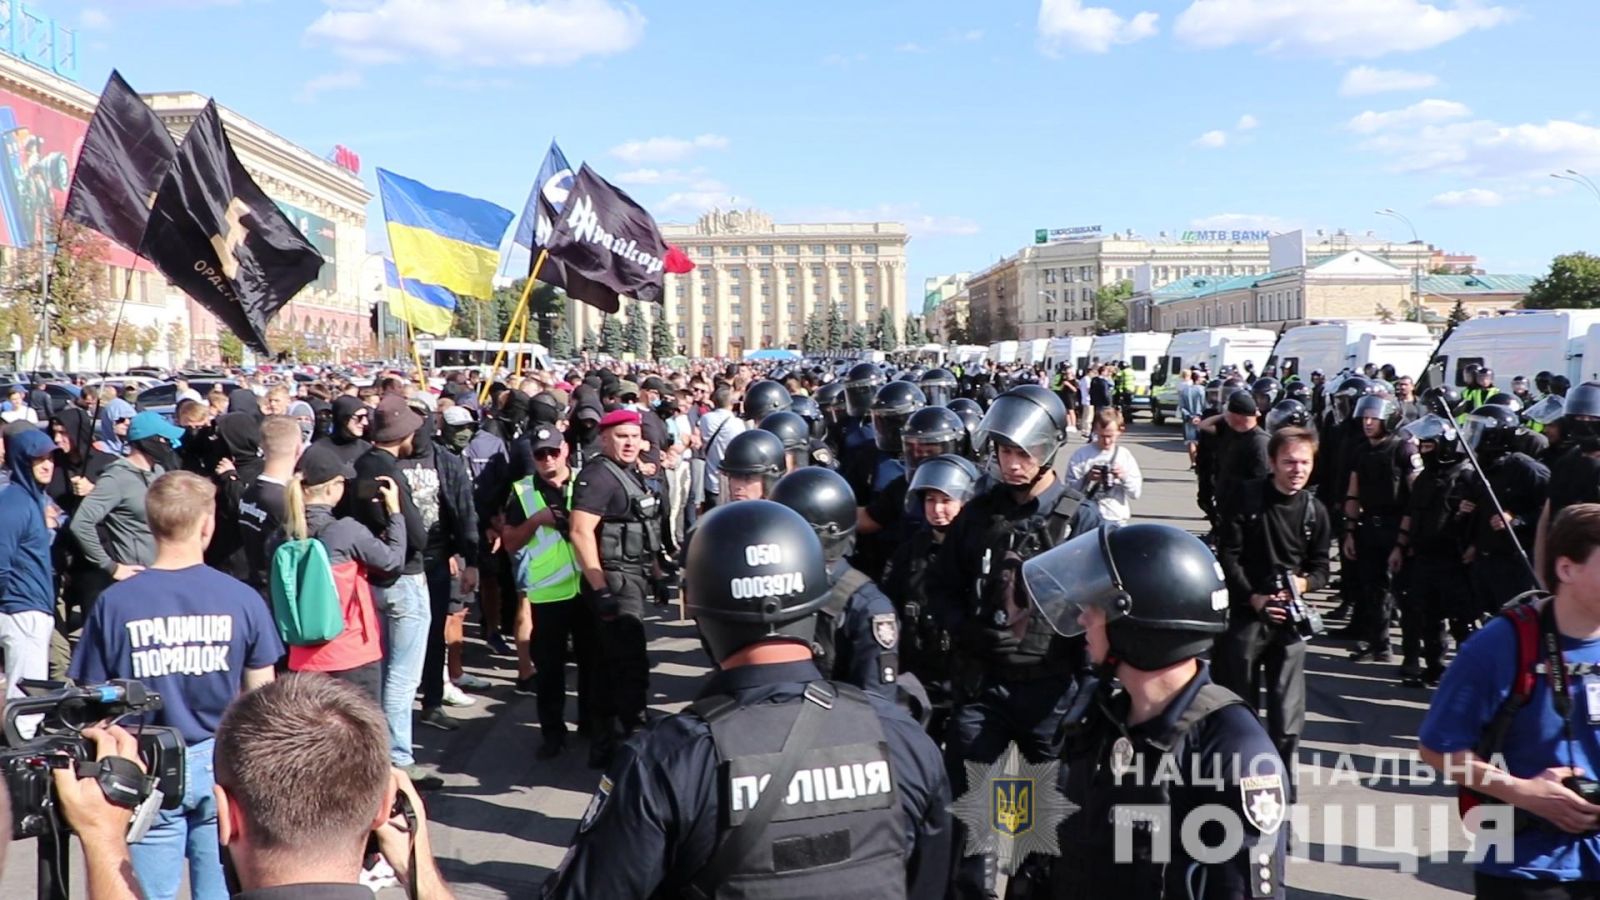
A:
x,y
1474,686
187,634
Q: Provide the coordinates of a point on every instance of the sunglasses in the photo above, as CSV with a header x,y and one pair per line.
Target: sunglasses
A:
x,y
360,417
546,453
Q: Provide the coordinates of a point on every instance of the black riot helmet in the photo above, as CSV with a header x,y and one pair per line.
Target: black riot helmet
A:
x,y
949,474
755,572
795,433
1541,382
1444,400
971,417
931,431
807,408
1344,398
938,385
967,404
1297,390
1160,588
1437,431
1583,400
891,407
752,453
1488,430
1214,393
830,399
1288,414
1509,401
823,498
860,385
1549,410
1560,384
1267,391
765,397
1383,409
1027,417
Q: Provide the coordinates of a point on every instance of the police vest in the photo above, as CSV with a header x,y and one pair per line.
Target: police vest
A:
x,y
1010,542
837,832
628,542
924,643
830,619
547,569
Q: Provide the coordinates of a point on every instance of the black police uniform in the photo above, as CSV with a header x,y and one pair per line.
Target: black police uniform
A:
x,y
858,634
1383,473
1208,449
867,815
1498,572
1113,772
1244,458
1019,689
1268,536
1574,478
925,645
1435,576
630,539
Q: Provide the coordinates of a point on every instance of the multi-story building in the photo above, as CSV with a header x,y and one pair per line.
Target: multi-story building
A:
x,y
156,324
755,283
1055,283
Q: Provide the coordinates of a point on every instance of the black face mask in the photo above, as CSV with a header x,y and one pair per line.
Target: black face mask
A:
x,y
158,451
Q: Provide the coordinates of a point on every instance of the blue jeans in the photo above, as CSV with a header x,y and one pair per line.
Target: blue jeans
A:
x,y
187,833
406,614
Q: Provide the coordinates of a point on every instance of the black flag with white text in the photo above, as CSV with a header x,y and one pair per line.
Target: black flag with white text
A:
x,y
603,236
126,152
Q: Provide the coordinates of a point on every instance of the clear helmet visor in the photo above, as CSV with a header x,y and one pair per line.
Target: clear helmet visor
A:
x,y
1069,579
1546,411
743,486
938,392
1473,428
1429,428
1021,423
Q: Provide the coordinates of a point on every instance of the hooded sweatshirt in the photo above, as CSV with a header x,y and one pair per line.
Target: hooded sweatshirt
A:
x,y
441,487
243,401
240,434
348,446
27,577
82,459
109,441
110,526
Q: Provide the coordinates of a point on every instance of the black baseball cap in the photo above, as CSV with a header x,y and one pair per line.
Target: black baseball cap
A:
x,y
546,438
319,464
1241,403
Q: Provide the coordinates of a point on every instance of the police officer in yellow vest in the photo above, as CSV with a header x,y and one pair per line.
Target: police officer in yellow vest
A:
x,y
546,571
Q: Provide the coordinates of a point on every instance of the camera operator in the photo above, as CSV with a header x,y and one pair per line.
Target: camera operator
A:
x,y
1275,532
1527,755
1105,472
303,780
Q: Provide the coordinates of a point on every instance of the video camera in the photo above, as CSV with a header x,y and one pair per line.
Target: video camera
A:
x,y
64,712
1307,622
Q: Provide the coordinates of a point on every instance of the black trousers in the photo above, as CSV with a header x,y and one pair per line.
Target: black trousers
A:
x,y
1253,654
433,662
1490,887
1496,578
622,671
1436,591
553,624
1375,538
367,678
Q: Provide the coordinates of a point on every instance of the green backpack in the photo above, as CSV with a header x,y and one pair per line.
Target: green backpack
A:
x,y
305,599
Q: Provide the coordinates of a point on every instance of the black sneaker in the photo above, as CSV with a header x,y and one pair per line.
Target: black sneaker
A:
x,y
550,749
1342,611
525,687
1431,675
600,753
436,717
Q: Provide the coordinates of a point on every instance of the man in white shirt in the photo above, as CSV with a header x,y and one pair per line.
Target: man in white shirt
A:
x,y
717,428
1105,471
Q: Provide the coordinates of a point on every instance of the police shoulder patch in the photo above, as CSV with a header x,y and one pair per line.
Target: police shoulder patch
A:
x,y
596,804
886,630
1262,799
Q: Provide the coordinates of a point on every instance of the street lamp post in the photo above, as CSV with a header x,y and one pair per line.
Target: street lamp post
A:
x,y
1577,177
1416,265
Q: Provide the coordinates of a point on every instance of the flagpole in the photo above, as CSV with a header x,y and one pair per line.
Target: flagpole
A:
x,y
127,288
516,315
523,339
411,334
47,255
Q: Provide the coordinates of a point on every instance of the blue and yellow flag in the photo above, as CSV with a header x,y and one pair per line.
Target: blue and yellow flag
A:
x,y
440,238
428,307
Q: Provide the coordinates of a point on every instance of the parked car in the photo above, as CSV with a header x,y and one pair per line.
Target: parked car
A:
x,y
163,398
61,395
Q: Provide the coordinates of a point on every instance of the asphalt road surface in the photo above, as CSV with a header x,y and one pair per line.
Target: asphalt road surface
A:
x,y
1369,823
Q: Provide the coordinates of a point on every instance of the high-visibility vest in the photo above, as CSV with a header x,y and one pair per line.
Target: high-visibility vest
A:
x,y
548,567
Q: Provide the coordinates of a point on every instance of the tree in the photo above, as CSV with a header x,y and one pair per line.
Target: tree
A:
x,y
816,335
77,270
886,336
913,331
662,341
860,337
636,336
837,332
1573,283
611,337
1384,314
561,336
1111,307
1458,314
177,340
591,344
230,348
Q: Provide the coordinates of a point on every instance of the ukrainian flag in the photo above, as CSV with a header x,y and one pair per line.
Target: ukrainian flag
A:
x,y
443,239
428,307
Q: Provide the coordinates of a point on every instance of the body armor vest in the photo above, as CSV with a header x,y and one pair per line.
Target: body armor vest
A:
x,y
631,541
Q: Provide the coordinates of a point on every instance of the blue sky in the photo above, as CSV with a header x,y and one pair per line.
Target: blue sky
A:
x,y
972,122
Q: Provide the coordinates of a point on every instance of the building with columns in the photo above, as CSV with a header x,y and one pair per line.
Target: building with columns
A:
x,y
45,117
755,283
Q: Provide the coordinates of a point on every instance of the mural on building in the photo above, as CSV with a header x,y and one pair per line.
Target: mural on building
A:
x,y
320,233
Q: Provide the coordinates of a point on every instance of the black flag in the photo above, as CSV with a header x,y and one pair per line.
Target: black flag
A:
x,y
604,238
222,240
126,152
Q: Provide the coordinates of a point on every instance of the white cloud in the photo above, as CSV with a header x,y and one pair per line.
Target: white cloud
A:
x,y
1247,122
1242,222
700,198
480,33
1212,140
1068,24
1470,197
343,80
1422,112
843,60
651,176
917,222
666,149
910,47
1364,80
1363,29
1484,148
91,19
971,36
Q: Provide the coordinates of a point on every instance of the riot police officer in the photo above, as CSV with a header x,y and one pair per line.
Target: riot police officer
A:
x,y
1520,484
1013,678
761,398
1288,414
1575,473
929,432
1382,469
1146,597
795,433
830,399
971,415
615,529
861,384
1427,552
939,487
819,454
1267,391
938,386
752,464
858,636
775,782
